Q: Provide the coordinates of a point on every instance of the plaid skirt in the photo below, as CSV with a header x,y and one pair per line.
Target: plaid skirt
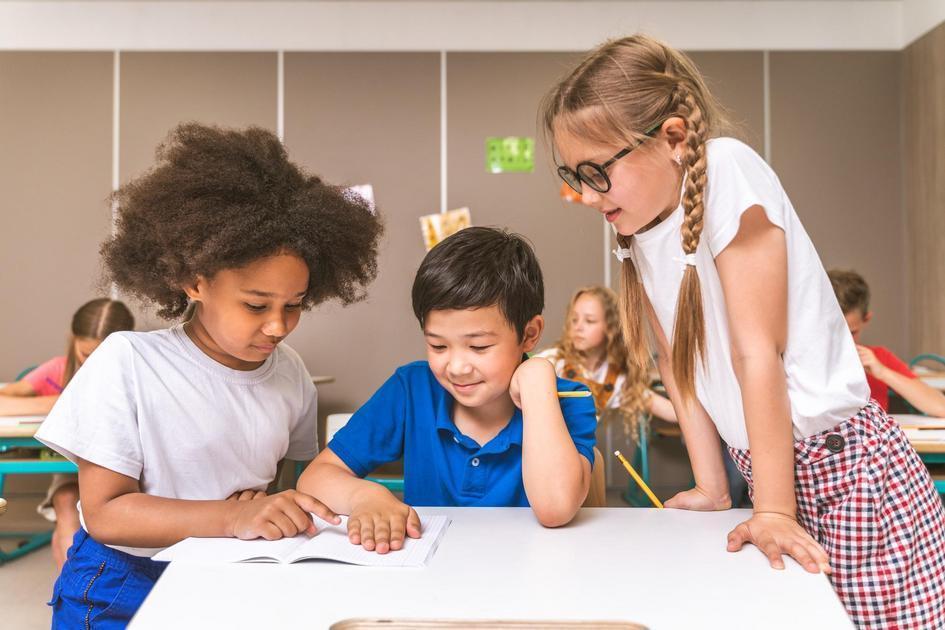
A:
x,y
867,498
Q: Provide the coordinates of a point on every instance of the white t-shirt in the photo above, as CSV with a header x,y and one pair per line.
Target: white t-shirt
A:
x,y
825,380
154,407
598,376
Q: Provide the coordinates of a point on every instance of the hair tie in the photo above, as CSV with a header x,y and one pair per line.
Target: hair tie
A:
x,y
688,259
622,253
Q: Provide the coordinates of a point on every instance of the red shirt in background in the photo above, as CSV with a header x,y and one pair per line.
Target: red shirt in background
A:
x,y
879,390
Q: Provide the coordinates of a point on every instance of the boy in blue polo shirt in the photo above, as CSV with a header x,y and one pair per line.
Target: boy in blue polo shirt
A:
x,y
478,423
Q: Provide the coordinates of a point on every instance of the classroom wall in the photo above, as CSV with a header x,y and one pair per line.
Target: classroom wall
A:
x,y
835,144
375,118
923,103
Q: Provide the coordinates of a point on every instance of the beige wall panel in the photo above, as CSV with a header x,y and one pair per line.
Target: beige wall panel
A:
x,y
924,188
497,94
736,79
836,147
55,174
159,90
368,118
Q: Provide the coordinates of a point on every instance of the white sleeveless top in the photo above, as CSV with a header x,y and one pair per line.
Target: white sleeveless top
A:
x,y
825,380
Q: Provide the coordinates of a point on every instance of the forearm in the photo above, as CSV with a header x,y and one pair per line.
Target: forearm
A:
x,y
660,407
555,475
141,520
702,439
26,405
336,487
770,431
924,398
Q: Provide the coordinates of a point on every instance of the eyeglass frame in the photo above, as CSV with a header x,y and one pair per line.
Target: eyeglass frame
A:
x,y
600,168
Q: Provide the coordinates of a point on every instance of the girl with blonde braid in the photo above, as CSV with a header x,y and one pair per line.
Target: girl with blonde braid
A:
x,y
751,342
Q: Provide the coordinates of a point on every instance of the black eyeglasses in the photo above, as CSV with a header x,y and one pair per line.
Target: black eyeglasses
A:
x,y
593,174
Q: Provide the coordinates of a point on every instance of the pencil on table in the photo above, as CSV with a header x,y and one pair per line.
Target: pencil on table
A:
x,y
640,482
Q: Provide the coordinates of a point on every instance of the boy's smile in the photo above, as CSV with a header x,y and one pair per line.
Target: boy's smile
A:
x,y
473,354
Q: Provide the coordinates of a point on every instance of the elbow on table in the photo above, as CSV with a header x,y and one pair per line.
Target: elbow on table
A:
x,y
554,515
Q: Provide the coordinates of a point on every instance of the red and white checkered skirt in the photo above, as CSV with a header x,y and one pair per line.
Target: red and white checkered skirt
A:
x,y
867,498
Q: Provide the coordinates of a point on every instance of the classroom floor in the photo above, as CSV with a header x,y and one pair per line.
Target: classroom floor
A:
x,y
26,583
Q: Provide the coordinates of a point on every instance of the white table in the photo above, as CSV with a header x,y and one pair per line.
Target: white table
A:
x,y
661,568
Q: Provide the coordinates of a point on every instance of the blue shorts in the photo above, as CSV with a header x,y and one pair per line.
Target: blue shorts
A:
x,y
100,587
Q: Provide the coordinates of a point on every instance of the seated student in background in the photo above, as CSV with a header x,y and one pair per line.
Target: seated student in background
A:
x,y
884,370
592,351
178,432
477,424
37,392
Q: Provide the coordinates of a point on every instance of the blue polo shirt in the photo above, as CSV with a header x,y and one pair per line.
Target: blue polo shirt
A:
x,y
410,416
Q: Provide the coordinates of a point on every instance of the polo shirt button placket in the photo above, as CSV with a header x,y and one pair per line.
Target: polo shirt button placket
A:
x,y
475,462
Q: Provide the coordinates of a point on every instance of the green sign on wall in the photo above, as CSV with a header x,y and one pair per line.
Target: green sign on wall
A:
x,y
513,154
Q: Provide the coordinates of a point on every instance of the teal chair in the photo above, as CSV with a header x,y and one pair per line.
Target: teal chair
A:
x,y
20,376
928,356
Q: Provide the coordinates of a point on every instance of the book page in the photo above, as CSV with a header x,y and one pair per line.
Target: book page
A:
x,y
219,550
331,543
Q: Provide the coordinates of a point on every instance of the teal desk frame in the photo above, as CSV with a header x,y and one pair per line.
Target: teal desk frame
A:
x,y
31,540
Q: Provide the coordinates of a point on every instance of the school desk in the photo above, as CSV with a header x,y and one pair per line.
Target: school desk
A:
x,y
665,569
929,443
17,432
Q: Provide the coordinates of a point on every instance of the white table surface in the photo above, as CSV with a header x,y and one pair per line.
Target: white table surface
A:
x,y
662,568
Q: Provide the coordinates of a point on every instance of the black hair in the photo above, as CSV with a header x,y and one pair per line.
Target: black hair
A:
x,y
479,267
224,198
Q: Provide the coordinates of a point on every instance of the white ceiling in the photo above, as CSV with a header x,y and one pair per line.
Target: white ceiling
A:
x,y
461,24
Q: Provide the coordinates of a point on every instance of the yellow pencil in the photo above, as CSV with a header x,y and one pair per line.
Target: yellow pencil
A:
x,y
640,482
584,394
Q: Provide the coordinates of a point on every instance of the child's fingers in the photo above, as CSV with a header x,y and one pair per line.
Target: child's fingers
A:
x,y
284,523
413,524
382,536
801,553
738,537
269,531
354,530
770,548
248,495
367,534
820,556
301,519
398,529
316,507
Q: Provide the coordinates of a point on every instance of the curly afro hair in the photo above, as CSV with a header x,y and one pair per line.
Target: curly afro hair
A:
x,y
222,198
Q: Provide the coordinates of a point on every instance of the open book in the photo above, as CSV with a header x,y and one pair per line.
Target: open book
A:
x,y
330,543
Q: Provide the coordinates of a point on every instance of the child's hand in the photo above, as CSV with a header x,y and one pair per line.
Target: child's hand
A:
x,y
775,534
699,500
870,363
533,372
246,495
278,516
378,522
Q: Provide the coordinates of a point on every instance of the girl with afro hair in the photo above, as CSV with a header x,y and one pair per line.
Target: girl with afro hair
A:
x,y
178,432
